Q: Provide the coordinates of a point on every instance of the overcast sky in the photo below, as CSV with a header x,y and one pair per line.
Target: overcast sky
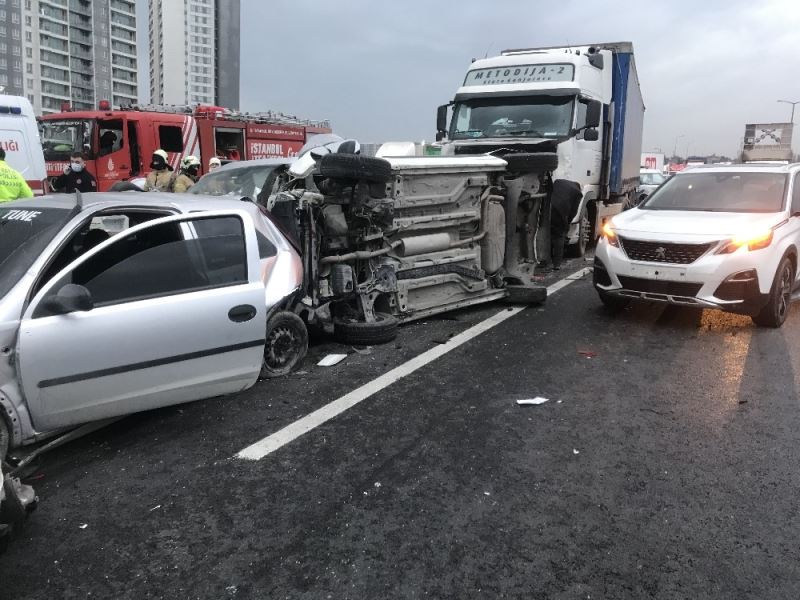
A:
x,y
378,70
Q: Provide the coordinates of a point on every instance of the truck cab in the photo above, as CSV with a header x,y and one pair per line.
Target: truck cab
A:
x,y
582,102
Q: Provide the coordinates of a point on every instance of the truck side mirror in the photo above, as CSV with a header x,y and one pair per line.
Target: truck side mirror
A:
x,y
441,120
591,135
594,112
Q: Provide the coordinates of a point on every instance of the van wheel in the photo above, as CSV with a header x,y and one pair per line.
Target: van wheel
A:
x,y
780,298
578,249
286,345
355,166
361,333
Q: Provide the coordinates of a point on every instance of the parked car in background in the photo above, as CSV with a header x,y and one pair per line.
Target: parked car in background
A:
x,y
649,180
113,303
714,236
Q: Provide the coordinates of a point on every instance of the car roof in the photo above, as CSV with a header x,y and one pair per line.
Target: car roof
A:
x,y
98,201
744,168
258,162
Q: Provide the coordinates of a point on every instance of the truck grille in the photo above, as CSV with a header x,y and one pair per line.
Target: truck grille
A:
x,y
653,286
662,252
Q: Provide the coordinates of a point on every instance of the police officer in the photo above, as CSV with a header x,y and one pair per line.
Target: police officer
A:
x,y
75,177
12,184
190,166
160,179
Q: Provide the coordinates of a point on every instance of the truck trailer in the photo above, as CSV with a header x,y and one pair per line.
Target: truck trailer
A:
x,y
582,102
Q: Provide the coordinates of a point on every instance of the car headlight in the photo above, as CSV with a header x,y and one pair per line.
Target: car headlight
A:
x,y
610,235
752,240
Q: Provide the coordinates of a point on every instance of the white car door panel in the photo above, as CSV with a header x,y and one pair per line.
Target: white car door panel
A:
x,y
190,328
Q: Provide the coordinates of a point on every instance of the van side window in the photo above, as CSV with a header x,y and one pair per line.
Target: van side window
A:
x,y
170,138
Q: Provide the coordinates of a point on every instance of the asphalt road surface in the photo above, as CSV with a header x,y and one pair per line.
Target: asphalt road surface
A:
x,y
664,465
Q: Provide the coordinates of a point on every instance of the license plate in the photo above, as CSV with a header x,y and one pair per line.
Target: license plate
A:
x,y
659,273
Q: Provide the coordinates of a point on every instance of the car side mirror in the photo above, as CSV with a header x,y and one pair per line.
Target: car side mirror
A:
x,y
441,120
591,135
594,110
70,298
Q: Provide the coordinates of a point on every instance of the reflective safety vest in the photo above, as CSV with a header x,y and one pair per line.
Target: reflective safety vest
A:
x,y
12,184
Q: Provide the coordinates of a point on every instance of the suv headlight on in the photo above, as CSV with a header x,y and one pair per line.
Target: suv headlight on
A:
x,y
752,240
610,235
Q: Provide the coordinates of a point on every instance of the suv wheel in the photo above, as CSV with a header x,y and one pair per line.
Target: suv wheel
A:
x,y
776,310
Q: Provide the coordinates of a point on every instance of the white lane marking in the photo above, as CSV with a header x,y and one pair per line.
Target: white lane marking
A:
x,y
312,420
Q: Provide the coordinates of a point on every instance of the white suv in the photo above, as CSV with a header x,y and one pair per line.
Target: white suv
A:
x,y
719,237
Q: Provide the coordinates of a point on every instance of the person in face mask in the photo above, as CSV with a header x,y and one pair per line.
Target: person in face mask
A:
x,y
161,178
214,163
76,178
190,168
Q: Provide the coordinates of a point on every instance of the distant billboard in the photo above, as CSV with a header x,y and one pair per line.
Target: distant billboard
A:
x,y
767,141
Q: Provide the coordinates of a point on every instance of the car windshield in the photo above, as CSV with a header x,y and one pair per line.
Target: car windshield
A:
x,y
541,116
734,191
651,178
60,138
240,182
25,231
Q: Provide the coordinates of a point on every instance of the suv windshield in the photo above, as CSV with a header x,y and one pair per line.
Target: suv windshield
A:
x,y
25,231
239,182
735,191
60,138
540,116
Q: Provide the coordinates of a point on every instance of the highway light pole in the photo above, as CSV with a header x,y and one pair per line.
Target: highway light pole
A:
x,y
791,120
675,149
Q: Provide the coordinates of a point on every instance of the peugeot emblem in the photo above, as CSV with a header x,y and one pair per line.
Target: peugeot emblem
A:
x,y
661,253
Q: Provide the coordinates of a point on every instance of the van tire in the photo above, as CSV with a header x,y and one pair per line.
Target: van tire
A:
x,y
355,166
531,162
286,344
361,333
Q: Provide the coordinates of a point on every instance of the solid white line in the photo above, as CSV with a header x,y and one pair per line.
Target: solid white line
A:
x,y
293,431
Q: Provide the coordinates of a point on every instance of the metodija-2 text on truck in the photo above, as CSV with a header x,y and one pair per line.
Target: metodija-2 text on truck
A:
x,y
582,102
118,143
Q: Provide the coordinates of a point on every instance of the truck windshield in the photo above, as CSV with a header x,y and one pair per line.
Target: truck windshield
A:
x,y
61,137
539,116
736,192
25,231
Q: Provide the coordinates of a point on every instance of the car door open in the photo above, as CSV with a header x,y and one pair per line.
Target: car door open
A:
x,y
166,312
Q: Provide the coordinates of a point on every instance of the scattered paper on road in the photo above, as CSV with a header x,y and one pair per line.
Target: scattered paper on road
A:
x,y
529,401
331,359
83,526
576,451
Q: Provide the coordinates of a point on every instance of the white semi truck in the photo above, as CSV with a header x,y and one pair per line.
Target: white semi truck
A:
x,y
582,102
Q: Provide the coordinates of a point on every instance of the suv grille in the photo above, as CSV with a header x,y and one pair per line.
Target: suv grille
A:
x,y
662,252
657,286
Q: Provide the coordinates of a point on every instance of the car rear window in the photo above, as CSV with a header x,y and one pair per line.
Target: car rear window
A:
x,y
733,191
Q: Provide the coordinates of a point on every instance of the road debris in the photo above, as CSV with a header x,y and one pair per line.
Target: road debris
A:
x,y
530,401
156,507
576,451
587,353
364,350
83,526
331,359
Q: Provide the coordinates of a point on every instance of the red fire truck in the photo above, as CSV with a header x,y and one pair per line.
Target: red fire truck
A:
x,y
119,143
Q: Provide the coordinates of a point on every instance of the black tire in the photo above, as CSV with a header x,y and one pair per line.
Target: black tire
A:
x,y
526,294
531,162
613,303
355,166
360,333
578,249
777,307
5,438
125,186
286,344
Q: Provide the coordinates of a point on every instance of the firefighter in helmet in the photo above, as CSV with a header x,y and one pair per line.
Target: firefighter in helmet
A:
x,y
190,167
160,179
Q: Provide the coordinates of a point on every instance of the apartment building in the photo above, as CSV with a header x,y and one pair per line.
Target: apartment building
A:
x,y
78,52
11,70
194,52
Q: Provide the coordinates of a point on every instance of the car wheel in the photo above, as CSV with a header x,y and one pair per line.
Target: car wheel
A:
x,y
613,303
525,294
355,166
578,249
286,345
361,333
776,310
531,162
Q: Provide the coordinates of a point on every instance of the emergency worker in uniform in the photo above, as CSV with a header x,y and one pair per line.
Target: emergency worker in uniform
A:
x,y
12,184
75,177
160,179
190,167
214,163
